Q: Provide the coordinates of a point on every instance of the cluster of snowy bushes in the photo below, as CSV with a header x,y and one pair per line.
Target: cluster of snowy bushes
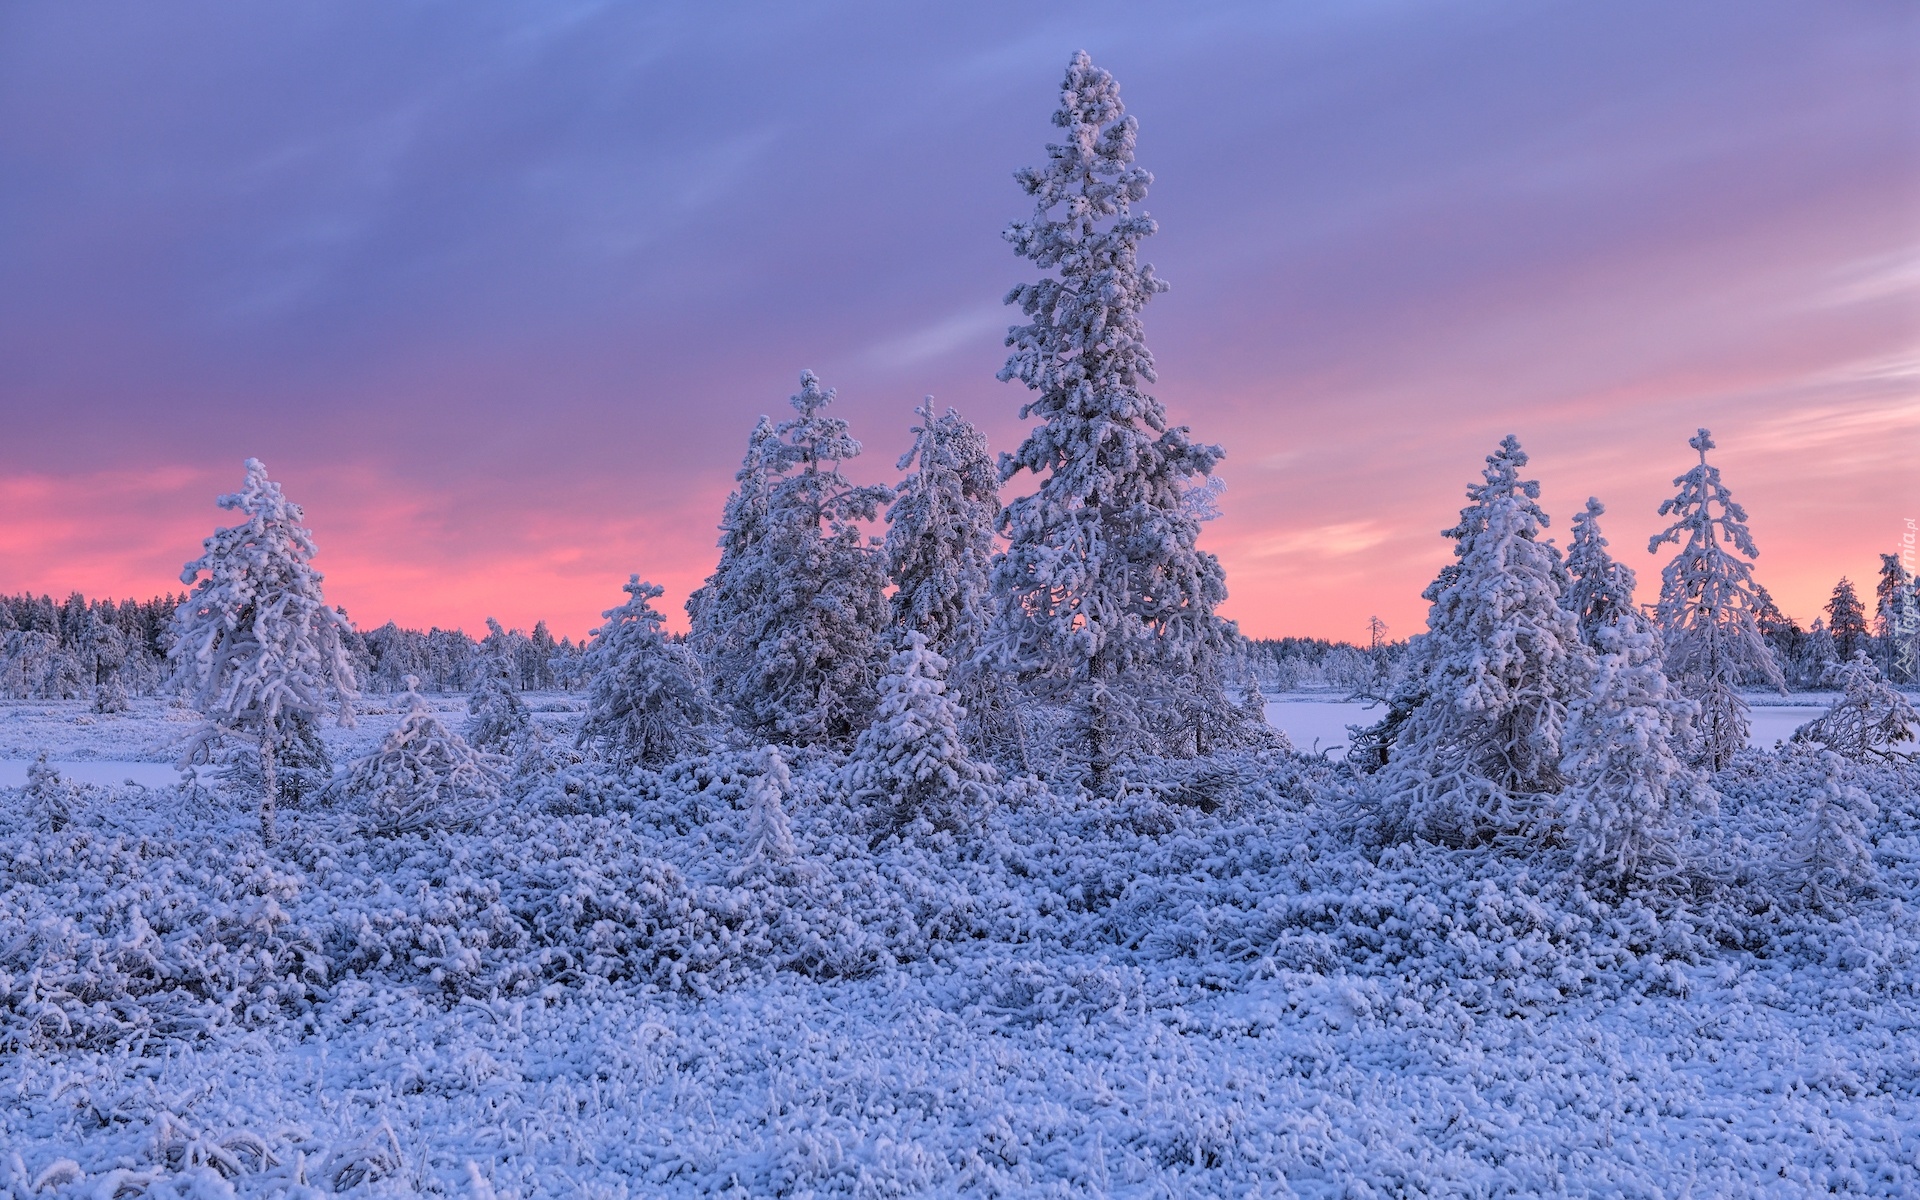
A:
x,y
121,925
1126,933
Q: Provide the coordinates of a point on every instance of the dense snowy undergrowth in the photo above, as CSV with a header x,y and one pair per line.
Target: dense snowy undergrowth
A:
x,y
1201,987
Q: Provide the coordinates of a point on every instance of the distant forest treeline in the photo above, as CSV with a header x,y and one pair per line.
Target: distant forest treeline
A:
x,y
63,650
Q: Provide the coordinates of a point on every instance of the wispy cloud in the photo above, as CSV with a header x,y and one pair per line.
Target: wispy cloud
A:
x,y
1880,277
971,326
1340,540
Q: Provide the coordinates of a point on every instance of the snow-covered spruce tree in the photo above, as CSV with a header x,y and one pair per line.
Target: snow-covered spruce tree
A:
x,y
1830,856
1897,619
769,837
104,646
648,704
1783,635
50,799
812,604
255,645
1870,721
1709,606
1627,790
422,776
1481,753
1101,580
940,533
721,612
911,762
1846,620
496,717
110,696
536,669
1600,589
1821,661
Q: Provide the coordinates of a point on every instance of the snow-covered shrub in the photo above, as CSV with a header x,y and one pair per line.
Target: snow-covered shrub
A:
x,y
911,762
1869,722
255,644
1112,729
109,940
110,696
50,799
422,776
1481,753
996,721
1709,607
1830,856
1195,714
1627,791
649,704
769,836
496,718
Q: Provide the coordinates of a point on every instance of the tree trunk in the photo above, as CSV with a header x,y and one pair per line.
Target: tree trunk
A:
x,y
270,785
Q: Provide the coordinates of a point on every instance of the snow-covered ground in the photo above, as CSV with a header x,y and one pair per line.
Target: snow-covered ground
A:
x,y
1128,997
1315,721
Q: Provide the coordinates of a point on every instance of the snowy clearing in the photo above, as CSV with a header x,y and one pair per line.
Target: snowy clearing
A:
x,y
1317,721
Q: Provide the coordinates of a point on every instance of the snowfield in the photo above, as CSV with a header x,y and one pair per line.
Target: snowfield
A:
x,y
1201,988
1317,721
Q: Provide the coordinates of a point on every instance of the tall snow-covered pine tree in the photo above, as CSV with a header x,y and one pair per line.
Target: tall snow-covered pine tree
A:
x,y
1101,578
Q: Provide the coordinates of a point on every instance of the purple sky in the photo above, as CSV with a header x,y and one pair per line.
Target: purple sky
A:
x,y
498,290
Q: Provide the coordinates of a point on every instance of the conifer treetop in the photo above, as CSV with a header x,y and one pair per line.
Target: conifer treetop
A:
x,y
817,444
1601,592
1696,523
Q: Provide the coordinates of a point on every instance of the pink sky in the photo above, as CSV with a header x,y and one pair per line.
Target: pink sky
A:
x,y
497,295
